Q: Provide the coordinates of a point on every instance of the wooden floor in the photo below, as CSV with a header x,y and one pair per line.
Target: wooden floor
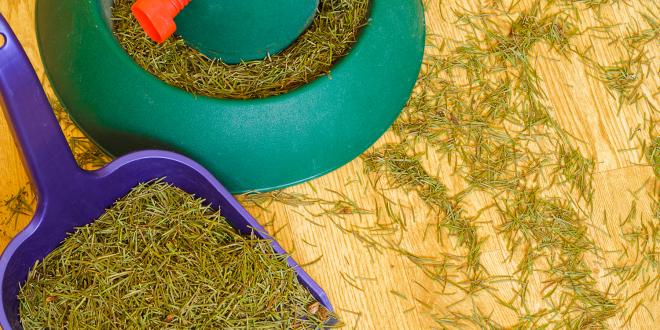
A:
x,y
385,290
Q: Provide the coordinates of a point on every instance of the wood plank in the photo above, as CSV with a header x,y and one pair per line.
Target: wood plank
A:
x,y
386,290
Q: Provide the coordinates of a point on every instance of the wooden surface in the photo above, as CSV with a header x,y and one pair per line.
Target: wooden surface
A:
x,y
360,280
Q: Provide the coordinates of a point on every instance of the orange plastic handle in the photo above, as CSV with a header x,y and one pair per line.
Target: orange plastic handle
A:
x,y
157,17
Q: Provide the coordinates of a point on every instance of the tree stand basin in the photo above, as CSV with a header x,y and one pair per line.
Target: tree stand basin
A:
x,y
250,145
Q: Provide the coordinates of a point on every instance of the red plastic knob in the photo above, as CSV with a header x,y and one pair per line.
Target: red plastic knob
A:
x,y
157,17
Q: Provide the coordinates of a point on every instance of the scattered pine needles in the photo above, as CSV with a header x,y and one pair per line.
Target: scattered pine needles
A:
x,y
18,204
408,173
481,109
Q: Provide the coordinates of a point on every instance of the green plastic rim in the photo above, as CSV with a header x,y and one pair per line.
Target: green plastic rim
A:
x,y
249,145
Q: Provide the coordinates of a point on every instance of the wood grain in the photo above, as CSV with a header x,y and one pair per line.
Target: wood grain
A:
x,y
360,280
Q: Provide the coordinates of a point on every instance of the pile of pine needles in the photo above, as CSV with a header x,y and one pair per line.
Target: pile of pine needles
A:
x,y
160,258
330,37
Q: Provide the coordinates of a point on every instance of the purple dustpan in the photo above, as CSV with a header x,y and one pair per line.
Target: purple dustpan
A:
x,y
69,197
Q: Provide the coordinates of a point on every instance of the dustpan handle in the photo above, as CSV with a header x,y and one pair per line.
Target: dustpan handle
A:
x,y
38,134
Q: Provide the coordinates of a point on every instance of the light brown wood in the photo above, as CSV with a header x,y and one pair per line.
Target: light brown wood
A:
x,y
360,280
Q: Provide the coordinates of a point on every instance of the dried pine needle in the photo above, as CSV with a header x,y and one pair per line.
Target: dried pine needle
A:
x,y
623,79
87,154
160,258
653,155
19,204
333,32
265,200
577,170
